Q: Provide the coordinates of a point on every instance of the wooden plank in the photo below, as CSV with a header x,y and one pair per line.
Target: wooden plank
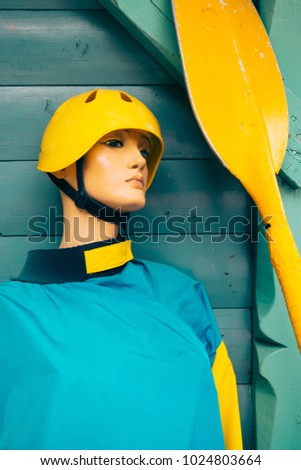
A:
x,y
282,20
292,204
151,24
49,5
223,267
72,48
235,327
27,111
246,415
186,197
197,196
291,166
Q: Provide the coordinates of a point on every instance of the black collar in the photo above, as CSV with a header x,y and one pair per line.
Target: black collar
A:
x,y
76,264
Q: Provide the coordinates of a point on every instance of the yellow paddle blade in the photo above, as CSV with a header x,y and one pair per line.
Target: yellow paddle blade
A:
x,y
233,76
238,98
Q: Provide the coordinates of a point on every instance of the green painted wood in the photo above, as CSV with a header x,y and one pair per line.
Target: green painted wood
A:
x,y
224,267
49,5
235,327
292,202
245,403
283,22
277,361
151,23
205,195
291,166
69,47
27,111
211,201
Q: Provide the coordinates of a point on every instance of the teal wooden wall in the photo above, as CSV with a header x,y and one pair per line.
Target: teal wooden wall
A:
x,y
52,50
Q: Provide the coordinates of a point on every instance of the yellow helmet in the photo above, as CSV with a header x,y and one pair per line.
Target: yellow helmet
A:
x,y
83,119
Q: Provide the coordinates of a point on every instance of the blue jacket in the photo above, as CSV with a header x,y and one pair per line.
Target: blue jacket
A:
x,y
120,358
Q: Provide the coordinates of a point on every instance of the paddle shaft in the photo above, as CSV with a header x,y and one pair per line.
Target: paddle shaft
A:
x,y
288,269
284,254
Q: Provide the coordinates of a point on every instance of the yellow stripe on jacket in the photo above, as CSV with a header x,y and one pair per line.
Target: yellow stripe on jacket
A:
x,y
225,382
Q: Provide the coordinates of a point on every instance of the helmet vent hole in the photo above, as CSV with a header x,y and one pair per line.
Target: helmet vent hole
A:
x,y
125,97
91,97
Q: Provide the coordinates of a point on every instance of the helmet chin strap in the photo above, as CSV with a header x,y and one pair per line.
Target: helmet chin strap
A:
x,y
86,202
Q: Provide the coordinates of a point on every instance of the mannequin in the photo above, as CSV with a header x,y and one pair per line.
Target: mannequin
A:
x,y
100,350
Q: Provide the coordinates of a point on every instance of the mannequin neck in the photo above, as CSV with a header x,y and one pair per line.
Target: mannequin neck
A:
x,y
81,228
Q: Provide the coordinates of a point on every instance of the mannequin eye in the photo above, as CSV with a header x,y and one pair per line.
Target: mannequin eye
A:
x,y
114,143
144,153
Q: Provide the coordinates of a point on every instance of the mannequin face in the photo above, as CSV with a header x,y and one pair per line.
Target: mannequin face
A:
x,y
115,169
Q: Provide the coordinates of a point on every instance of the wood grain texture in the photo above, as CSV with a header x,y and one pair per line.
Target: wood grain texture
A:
x,y
246,415
225,268
235,327
291,166
49,5
69,47
27,111
282,20
156,34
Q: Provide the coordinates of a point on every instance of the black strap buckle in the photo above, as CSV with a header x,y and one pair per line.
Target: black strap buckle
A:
x,y
81,199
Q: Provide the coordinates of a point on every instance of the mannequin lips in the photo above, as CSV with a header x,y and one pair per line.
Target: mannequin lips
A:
x,y
137,182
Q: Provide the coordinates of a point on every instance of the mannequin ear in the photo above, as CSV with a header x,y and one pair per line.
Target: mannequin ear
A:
x,y
60,174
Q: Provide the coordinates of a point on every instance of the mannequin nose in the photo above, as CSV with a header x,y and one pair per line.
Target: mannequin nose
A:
x,y
137,161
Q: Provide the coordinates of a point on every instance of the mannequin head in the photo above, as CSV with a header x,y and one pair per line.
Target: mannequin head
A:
x,y
83,119
102,149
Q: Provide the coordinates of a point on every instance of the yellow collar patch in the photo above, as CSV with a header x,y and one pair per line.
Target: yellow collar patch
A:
x,y
108,257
